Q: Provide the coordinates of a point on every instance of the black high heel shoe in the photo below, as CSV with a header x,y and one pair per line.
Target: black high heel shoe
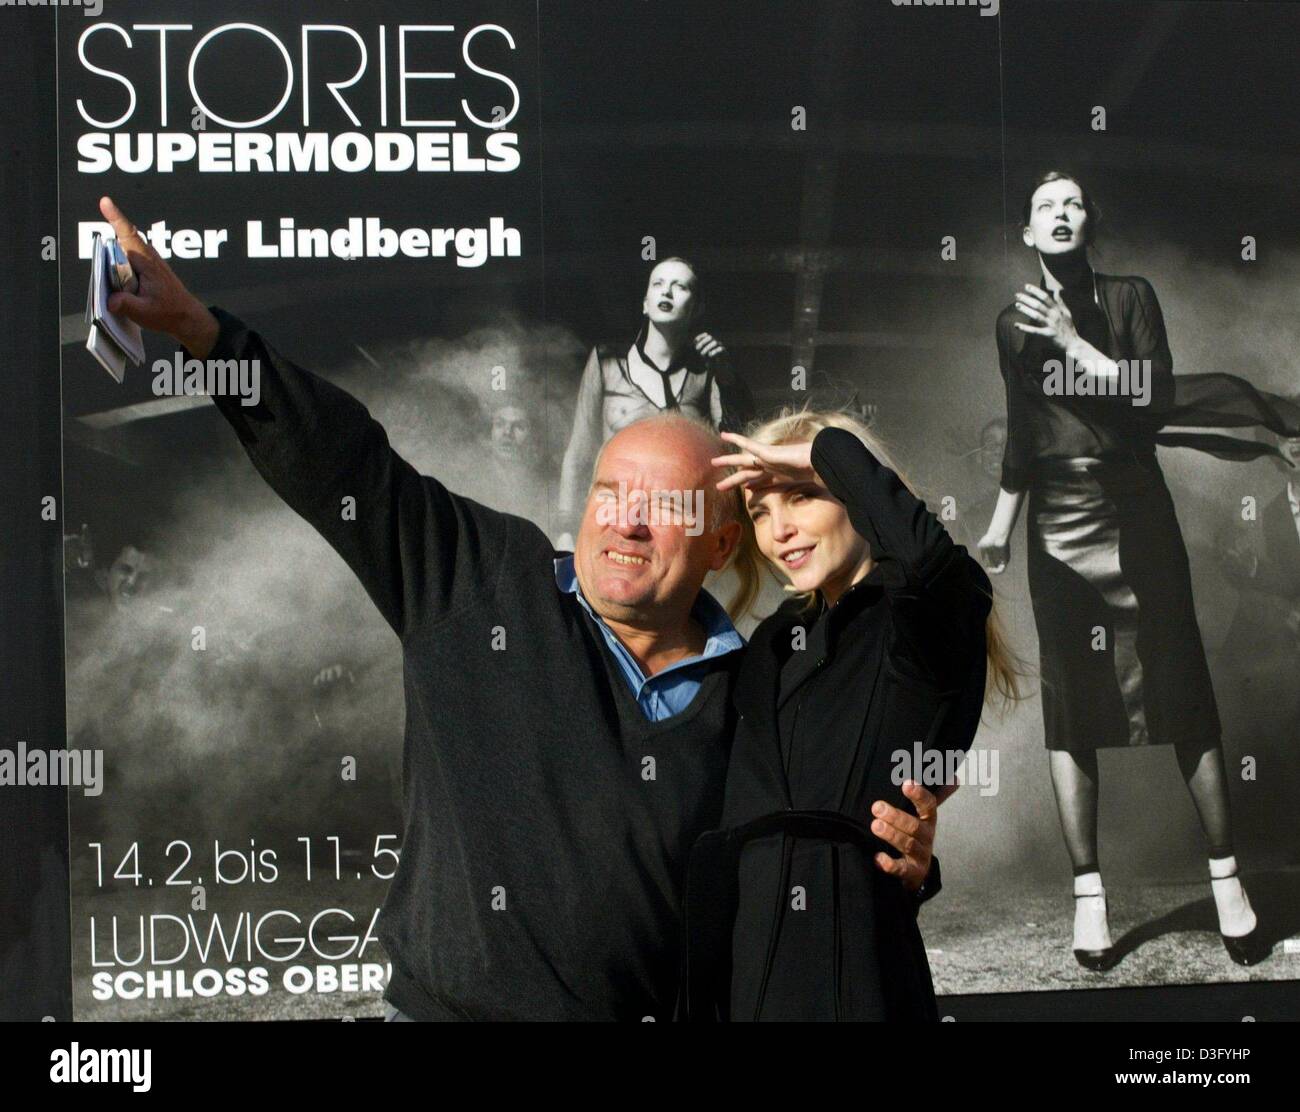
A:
x,y
1245,949
1098,961
1248,949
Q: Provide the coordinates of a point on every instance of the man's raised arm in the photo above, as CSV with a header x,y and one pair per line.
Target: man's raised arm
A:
x,y
418,549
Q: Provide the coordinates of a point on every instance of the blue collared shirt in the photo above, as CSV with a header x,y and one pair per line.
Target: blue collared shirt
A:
x,y
670,691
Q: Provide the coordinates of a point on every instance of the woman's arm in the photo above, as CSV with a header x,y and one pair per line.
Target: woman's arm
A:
x,y
995,545
898,527
585,442
732,404
1017,462
893,521
940,597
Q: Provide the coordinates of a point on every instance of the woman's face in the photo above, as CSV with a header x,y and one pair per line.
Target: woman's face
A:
x,y
670,293
805,532
1058,221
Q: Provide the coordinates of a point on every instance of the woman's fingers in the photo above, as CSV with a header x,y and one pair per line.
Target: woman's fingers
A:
x,y
784,461
707,346
1030,309
1038,330
752,455
994,557
736,459
739,478
744,443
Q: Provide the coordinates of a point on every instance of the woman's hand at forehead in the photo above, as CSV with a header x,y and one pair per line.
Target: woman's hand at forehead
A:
x,y
765,463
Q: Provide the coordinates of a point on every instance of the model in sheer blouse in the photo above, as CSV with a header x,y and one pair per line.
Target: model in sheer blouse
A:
x,y
670,365
1121,655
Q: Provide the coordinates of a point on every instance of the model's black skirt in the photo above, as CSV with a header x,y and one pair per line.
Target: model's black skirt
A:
x,y
1119,648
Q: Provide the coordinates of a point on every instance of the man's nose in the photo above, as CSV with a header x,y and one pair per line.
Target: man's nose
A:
x,y
633,521
631,526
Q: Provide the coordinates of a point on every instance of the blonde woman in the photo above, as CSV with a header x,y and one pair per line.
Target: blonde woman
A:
x,y
883,655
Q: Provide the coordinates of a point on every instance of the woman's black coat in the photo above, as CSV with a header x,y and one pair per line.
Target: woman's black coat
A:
x,y
788,916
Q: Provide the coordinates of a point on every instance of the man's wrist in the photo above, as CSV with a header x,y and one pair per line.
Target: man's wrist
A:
x,y
199,331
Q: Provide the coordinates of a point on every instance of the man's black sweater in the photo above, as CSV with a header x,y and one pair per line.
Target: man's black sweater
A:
x,y
547,821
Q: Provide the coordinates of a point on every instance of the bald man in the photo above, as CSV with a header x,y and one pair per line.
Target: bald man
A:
x,y
568,717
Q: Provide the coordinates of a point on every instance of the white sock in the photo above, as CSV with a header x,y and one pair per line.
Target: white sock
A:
x,y
1091,930
1088,884
1236,917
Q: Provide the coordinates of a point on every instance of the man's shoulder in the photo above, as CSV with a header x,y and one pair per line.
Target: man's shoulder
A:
x,y
526,552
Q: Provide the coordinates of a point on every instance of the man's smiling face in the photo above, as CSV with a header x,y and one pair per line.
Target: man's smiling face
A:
x,y
635,557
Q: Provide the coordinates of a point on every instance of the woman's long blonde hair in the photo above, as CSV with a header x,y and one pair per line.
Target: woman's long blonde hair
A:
x,y
795,425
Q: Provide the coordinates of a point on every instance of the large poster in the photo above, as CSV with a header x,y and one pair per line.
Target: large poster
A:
x,y
456,212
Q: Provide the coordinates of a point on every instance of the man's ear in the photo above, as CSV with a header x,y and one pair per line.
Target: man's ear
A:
x,y
728,537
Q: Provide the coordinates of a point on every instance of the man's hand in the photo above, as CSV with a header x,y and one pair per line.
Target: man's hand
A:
x,y
912,835
162,302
